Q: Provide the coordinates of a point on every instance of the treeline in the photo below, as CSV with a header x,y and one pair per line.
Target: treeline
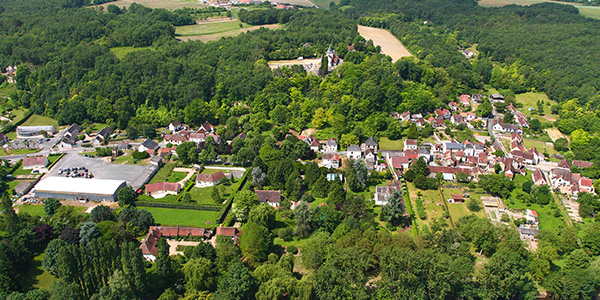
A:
x,y
267,16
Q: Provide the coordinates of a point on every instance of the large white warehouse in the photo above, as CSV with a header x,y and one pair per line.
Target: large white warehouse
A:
x,y
99,190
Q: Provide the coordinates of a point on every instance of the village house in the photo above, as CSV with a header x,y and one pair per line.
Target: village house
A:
x,y
456,198
67,142
400,162
425,153
538,177
232,232
315,145
468,53
586,185
102,136
369,144
206,128
496,98
156,160
175,139
477,98
34,162
148,145
354,152
582,164
197,137
176,126
73,131
504,127
370,159
443,113
457,120
405,116
383,192
161,189
272,198
206,180
331,160
331,145
453,106
148,244
411,144
449,173
464,100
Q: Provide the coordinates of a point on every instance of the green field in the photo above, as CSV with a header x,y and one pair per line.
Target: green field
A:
x,y
540,146
167,4
590,11
529,100
324,3
431,202
202,195
38,210
387,144
163,173
36,276
212,171
209,28
37,120
182,217
120,53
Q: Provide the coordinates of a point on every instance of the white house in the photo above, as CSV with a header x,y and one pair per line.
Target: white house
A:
x,y
331,160
206,180
272,198
354,152
331,146
410,144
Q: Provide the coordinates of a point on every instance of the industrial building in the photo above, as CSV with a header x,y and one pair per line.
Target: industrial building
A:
x,y
34,131
83,189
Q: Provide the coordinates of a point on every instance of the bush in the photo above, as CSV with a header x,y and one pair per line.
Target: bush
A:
x,y
292,249
140,155
105,151
473,205
285,233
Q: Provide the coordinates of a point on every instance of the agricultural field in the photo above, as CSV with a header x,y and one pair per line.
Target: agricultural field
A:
x,y
37,120
323,3
390,45
590,11
308,3
182,217
167,4
587,11
121,52
210,30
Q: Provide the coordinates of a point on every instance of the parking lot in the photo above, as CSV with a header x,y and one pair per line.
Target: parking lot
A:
x,y
100,168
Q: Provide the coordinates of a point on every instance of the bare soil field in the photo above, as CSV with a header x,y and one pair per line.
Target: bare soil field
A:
x,y
209,37
167,4
390,45
555,134
274,64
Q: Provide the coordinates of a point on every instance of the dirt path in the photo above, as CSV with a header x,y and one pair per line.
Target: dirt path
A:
x,y
390,45
209,37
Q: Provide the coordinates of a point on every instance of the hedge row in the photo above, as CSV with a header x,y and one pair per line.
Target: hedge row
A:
x,y
12,127
225,210
177,205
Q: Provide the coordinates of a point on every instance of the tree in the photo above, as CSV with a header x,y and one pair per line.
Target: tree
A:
x,y
132,261
101,213
216,196
302,218
320,187
51,205
187,153
70,235
393,211
496,184
541,194
263,215
255,243
508,118
324,66
187,197
356,175
348,139
354,206
336,193
591,238
258,177
61,290
199,274
505,276
50,262
88,232
561,145
226,251
242,203
484,110
205,250
164,266
118,288
238,284
473,205
126,196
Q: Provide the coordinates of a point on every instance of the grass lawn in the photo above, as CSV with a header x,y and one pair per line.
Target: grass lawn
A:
x,y
176,176
323,3
7,88
209,28
387,144
24,151
459,210
97,126
36,276
121,52
38,210
37,120
202,195
12,185
126,158
182,217
529,100
317,202
589,11
431,202
163,173
213,171
540,146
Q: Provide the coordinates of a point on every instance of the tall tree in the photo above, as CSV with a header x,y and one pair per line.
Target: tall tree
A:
x,y
393,211
255,243
238,284
164,266
51,205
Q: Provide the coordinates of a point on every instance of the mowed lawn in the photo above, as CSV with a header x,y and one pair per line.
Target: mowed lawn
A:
x,y
209,28
36,276
540,146
530,100
387,144
203,195
182,217
37,120
38,209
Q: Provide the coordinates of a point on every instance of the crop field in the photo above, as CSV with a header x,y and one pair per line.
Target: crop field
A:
x,y
208,31
167,4
590,11
182,217
390,45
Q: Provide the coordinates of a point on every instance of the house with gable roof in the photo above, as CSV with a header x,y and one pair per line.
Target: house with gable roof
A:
x,y
206,180
354,152
272,198
331,145
331,160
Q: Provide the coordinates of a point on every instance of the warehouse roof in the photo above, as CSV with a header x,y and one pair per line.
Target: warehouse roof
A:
x,y
68,185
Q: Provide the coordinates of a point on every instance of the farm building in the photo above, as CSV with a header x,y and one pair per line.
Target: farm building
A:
x,y
148,245
33,162
99,190
161,189
205,180
32,131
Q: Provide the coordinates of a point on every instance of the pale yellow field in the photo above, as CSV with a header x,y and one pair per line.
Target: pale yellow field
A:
x,y
167,4
390,45
209,37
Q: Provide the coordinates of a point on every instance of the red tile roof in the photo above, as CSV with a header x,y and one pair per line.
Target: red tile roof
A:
x,y
148,245
397,161
229,231
162,186
582,164
586,182
268,196
33,161
210,177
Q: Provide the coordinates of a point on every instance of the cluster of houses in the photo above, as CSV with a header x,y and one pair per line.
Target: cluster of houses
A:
x,y
181,133
71,137
563,179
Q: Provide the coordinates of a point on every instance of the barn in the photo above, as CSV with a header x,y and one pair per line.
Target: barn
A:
x,y
99,190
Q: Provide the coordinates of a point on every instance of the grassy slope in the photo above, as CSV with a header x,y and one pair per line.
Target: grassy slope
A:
x,y
590,11
209,28
387,144
37,120
120,52
182,217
